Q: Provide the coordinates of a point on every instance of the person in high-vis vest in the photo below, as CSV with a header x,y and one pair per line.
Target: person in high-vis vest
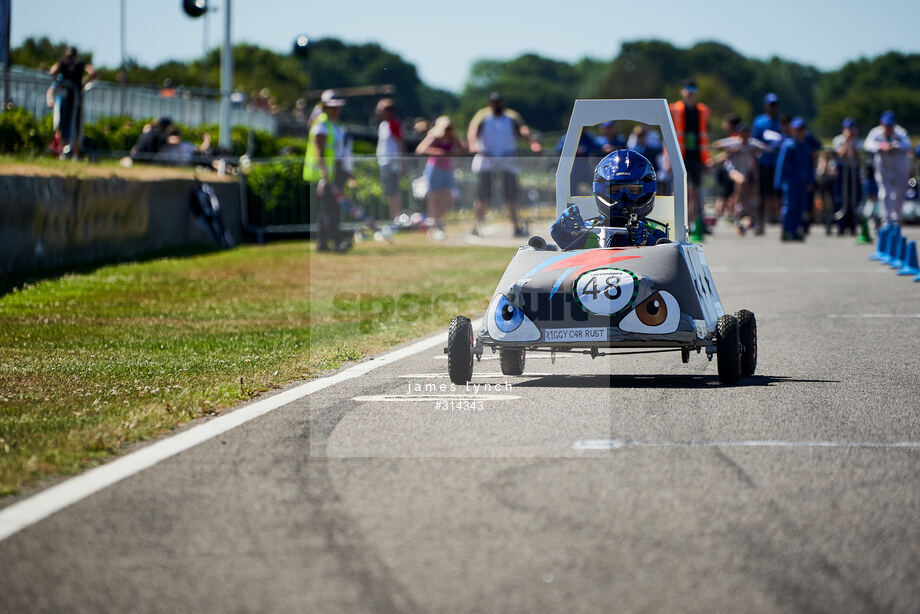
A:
x,y
325,171
691,122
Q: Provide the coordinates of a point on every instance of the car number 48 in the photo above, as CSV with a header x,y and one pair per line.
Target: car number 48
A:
x,y
605,291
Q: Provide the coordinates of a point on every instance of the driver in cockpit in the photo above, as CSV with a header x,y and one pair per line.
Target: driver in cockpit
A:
x,y
624,191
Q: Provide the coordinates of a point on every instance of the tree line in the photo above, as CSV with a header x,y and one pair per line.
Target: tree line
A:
x,y
542,89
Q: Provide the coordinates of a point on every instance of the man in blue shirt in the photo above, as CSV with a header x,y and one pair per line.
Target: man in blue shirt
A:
x,y
609,140
795,176
766,128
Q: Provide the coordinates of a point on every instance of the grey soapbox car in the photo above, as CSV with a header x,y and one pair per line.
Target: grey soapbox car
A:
x,y
602,301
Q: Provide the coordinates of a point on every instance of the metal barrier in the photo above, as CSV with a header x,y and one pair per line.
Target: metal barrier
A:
x,y
192,107
276,200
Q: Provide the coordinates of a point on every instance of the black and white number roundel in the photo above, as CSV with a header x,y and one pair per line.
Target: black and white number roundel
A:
x,y
606,291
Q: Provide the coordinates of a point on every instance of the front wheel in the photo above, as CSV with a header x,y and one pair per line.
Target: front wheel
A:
x,y
460,350
728,349
747,330
512,361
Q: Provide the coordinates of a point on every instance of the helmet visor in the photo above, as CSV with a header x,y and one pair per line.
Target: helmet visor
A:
x,y
620,191
633,189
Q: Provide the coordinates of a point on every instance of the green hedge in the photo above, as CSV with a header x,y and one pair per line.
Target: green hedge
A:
x,y
279,184
20,133
116,133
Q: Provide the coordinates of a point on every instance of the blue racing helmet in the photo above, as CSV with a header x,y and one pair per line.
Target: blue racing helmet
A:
x,y
625,183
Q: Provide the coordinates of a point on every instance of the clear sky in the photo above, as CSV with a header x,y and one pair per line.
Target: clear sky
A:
x,y
443,39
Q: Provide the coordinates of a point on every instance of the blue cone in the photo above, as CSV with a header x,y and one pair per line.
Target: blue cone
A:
x,y
891,243
879,253
897,256
910,266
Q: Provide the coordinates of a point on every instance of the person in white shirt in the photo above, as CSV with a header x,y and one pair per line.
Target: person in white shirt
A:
x,y
390,150
891,147
492,137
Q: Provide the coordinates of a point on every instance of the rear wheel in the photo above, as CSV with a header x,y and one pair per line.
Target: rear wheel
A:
x,y
728,349
460,350
512,361
747,330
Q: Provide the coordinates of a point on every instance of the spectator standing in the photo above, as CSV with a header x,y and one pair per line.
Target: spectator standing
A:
x,y
70,70
691,122
440,145
725,186
609,140
645,141
741,152
325,169
582,166
847,185
767,130
390,151
795,176
492,135
891,147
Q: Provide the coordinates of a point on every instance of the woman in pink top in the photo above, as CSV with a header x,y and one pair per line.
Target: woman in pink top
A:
x,y
440,145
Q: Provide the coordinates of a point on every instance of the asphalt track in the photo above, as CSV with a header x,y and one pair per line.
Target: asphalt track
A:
x,y
629,484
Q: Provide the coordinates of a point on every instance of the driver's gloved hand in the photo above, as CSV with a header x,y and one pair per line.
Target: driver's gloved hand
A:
x,y
568,231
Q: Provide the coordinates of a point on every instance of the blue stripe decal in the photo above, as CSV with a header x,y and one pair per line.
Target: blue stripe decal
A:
x,y
560,279
548,262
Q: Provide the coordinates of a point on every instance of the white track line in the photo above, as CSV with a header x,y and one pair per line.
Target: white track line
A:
x,y
22,514
532,356
475,375
615,444
874,315
423,398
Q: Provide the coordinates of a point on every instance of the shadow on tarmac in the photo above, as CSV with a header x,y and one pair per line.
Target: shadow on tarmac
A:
x,y
657,381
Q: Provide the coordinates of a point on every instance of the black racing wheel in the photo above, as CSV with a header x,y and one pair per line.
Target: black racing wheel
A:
x,y
512,361
747,329
728,349
460,350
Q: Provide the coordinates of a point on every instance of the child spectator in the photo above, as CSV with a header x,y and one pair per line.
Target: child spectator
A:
x,y
795,176
390,150
440,145
741,152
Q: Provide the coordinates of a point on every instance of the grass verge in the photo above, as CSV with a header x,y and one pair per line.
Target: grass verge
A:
x,y
91,362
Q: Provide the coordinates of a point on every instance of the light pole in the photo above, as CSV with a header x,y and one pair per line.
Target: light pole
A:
x,y
6,10
226,80
197,8
124,68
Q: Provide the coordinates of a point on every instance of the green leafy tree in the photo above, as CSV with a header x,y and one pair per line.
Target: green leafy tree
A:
x,y
862,89
42,53
540,89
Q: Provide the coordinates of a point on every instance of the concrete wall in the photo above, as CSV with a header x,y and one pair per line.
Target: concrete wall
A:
x,y
58,222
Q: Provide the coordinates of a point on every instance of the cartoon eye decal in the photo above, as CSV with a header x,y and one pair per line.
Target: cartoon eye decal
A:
x,y
658,314
653,311
506,322
507,316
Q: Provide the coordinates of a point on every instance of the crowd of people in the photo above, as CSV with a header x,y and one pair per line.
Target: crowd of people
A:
x,y
491,138
774,170
793,173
